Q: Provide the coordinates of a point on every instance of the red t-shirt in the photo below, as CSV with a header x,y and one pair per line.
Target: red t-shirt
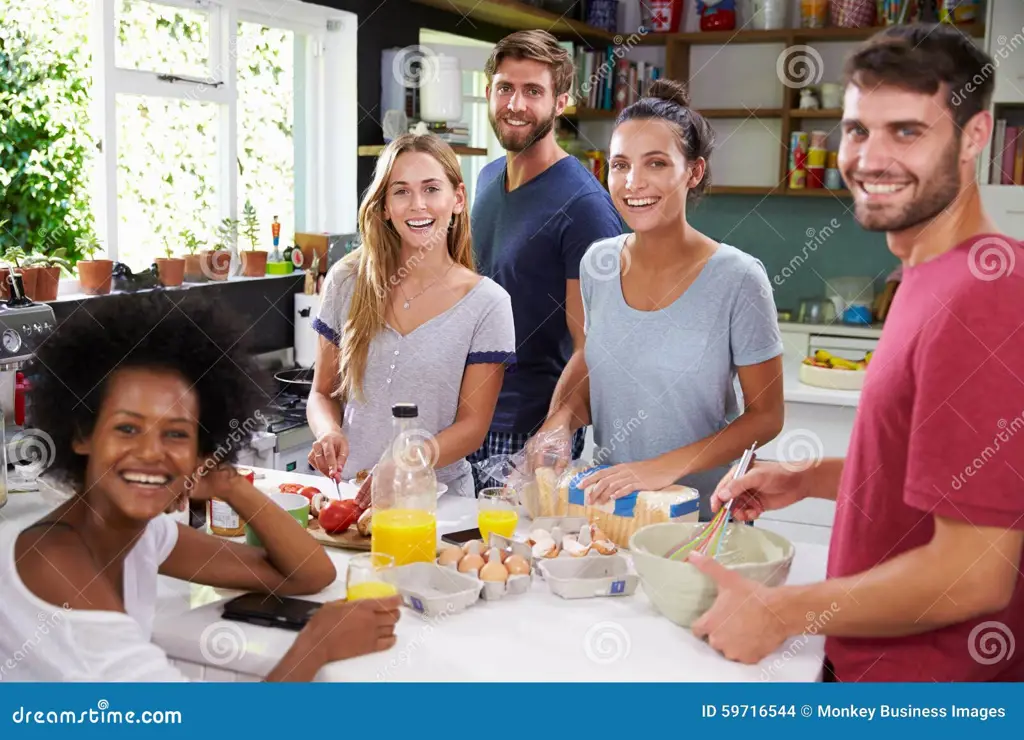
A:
x,y
939,432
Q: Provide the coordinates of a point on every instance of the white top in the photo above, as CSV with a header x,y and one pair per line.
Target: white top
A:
x,y
46,642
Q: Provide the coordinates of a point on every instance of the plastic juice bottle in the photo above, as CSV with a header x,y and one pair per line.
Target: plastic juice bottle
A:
x,y
499,521
405,492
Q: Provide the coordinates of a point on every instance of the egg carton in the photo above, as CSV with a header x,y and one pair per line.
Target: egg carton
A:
x,y
516,584
571,526
583,578
433,589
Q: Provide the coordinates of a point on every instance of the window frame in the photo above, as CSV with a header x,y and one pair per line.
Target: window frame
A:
x,y
329,61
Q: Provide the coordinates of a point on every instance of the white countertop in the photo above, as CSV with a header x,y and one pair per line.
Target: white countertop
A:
x,y
532,637
535,636
837,329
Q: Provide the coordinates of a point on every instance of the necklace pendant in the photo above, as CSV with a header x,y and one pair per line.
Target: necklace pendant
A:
x,y
405,305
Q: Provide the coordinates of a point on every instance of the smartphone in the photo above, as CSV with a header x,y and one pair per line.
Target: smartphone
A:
x,y
268,610
461,538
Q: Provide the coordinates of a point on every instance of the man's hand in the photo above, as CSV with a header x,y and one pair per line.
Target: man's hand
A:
x,y
740,624
765,487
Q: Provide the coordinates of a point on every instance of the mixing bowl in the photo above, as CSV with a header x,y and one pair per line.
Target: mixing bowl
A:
x,y
682,593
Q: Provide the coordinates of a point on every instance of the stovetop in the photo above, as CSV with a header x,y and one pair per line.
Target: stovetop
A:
x,y
286,411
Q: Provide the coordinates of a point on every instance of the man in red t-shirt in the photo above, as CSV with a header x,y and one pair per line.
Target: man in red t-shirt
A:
x,y
924,571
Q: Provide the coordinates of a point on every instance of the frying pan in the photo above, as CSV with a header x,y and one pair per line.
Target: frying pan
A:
x,y
297,380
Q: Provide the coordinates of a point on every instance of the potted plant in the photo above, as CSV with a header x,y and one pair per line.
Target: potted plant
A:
x,y
94,275
217,261
170,269
254,261
50,266
194,272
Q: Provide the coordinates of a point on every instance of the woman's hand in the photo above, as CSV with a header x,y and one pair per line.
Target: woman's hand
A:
x,y
621,480
206,483
329,453
765,487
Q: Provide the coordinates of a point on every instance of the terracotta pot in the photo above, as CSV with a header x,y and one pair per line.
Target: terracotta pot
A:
x,y
216,264
5,284
29,280
47,283
254,263
95,276
194,269
171,271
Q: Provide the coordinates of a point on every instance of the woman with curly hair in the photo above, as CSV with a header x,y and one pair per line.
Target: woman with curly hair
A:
x,y
138,392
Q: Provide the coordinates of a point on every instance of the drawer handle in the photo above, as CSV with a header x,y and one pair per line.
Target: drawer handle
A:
x,y
1016,212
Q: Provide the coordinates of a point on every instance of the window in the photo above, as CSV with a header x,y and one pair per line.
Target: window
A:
x,y
206,105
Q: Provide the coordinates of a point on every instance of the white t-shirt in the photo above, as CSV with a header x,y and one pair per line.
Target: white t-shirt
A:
x,y
46,642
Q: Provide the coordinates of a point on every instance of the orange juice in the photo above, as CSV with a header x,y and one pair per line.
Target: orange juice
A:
x,y
370,590
407,535
498,521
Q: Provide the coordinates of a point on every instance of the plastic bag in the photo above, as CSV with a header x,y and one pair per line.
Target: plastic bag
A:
x,y
621,518
532,472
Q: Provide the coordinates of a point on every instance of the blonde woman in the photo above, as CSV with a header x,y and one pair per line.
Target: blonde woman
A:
x,y
406,318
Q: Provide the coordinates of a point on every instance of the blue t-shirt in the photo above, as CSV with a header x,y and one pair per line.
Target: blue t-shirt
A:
x,y
530,241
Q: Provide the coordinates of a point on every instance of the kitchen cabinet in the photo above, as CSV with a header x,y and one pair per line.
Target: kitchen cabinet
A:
x,y
1005,205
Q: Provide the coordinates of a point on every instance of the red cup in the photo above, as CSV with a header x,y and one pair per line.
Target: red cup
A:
x,y
815,177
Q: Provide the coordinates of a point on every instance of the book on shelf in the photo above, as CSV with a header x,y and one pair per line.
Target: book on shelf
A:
x,y
1007,153
604,81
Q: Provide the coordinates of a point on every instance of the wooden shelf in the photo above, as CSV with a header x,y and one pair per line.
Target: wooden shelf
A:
x,y
590,114
836,113
787,36
740,112
518,17
374,150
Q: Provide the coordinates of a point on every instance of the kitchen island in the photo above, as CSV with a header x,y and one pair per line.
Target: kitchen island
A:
x,y
535,636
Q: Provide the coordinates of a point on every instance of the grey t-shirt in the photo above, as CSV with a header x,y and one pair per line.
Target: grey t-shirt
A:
x,y
661,380
424,367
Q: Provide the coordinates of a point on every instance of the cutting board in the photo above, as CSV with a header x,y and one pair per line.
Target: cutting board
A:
x,y
350,539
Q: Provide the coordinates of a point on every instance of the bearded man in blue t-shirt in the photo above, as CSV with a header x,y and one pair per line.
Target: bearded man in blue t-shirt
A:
x,y
536,212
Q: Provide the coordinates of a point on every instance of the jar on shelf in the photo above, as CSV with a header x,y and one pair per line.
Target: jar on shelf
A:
x,y
853,13
441,89
813,13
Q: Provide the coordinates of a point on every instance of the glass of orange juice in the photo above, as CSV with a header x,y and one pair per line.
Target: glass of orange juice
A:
x,y
365,577
496,512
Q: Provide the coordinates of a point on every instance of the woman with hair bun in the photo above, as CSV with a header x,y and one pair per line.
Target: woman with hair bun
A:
x,y
672,318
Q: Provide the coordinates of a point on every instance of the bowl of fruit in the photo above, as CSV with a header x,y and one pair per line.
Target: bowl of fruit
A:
x,y
825,370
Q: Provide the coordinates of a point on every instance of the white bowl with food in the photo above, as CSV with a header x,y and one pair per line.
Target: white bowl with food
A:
x,y
679,591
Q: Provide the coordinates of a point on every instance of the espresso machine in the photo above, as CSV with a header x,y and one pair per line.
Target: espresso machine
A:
x,y
24,325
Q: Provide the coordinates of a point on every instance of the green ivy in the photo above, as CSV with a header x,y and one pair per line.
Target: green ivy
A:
x,y
43,145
